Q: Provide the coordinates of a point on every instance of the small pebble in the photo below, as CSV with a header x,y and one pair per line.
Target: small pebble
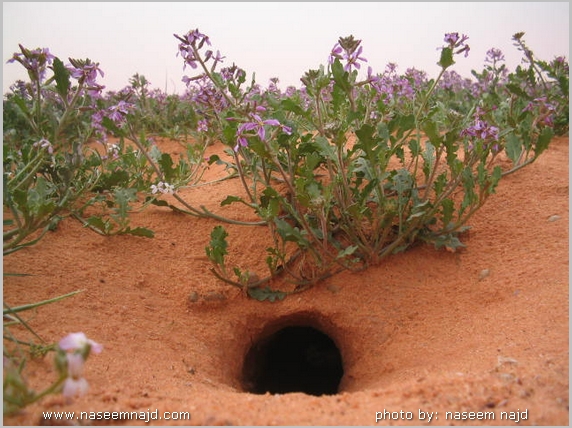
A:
x,y
333,288
483,274
553,218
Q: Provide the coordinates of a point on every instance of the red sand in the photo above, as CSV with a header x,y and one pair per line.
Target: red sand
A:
x,y
422,331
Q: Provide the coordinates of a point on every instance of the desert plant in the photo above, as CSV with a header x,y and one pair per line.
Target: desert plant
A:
x,y
70,356
347,170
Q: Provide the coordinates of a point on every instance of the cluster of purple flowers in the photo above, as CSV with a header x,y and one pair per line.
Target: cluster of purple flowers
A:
x,y
190,44
256,127
85,72
482,131
457,42
494,55
36,61
349,50
117,113
391,86
454,82
43,143
543,109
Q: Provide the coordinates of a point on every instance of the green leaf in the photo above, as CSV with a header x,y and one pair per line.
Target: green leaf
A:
x,y
446,58
513,147
123,197
293,107
341,76
230,200
324,147
262,294
139,231
431,129
406,123
290,233
19,101
448,208
98,223
543,141
62,77
218,245
110,125
348,251
366,138
450,241
419,209
516,90
428,156
166,164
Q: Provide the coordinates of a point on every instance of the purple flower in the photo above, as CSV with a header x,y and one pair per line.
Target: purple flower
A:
x,y
190,44
35,61
494,55
85,71
348,49
118,112
45,144
258,126
481,130
543,109
456,42
202,125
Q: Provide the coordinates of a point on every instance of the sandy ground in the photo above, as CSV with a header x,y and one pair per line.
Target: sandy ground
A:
x,y
426,332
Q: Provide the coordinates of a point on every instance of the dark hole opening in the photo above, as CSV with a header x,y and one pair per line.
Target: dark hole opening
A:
x,y
294,359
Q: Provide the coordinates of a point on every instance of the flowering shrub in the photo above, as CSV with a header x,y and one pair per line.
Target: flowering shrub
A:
x,y
346,170
343,171
59,161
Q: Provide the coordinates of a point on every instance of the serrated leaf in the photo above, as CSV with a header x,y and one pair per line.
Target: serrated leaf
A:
x,y
431,129
98,223
341,76
324,147
513,147
262,294
446,59
166,163
139,231
543,141
448,208
218,244
62,77
449,241
123,197
230,200
516,89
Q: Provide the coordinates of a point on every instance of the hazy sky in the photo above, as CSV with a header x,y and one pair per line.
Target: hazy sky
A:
x,y
275,39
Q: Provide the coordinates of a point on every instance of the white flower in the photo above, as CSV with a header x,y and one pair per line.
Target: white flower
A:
x,y
113,151
75,365
162,187
75,387
78,342
168,188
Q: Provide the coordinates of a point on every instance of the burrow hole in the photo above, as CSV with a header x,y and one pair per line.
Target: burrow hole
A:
x,y
293,358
